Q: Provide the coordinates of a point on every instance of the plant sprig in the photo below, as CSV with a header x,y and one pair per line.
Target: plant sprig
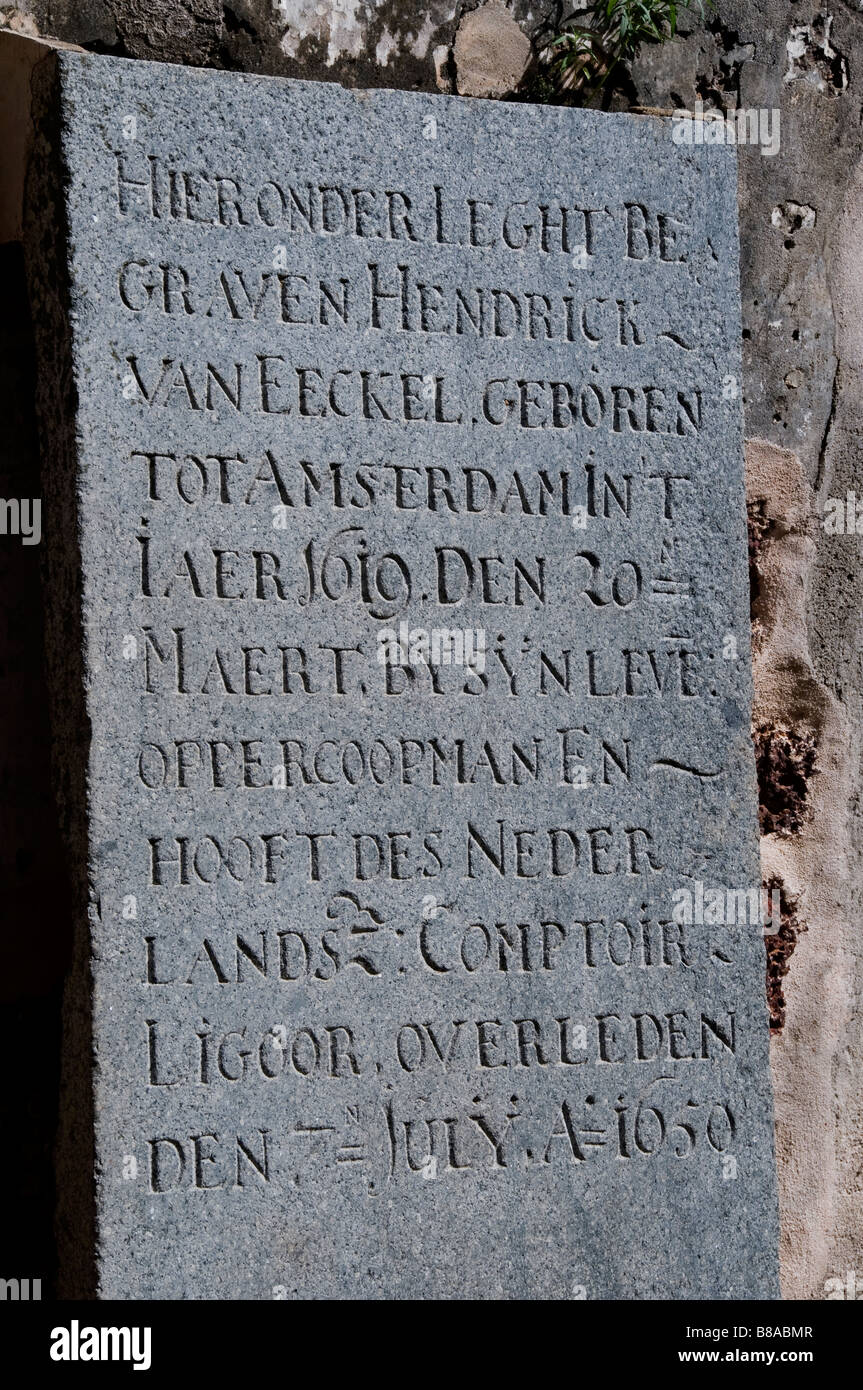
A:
x,y
588,54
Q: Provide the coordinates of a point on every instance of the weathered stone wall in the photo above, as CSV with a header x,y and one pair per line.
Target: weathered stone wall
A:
x,y
379,43
802,283
800,280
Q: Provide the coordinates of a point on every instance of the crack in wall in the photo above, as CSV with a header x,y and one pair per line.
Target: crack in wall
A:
x,y
780,945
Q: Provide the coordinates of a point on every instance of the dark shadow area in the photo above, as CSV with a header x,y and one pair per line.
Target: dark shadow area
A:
x,y
36,936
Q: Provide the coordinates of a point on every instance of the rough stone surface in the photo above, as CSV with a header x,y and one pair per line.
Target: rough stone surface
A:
x,y
491,52
379,43
337,1051
799,274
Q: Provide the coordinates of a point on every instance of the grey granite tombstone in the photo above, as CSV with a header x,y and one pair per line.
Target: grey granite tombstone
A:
x,y
399,623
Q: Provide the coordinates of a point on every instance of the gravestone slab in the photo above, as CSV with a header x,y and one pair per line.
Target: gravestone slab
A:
x,y
400,633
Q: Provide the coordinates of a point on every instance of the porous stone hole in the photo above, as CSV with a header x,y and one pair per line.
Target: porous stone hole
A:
x,y
236,23
813,59
721,86
791,217
785,761
780,948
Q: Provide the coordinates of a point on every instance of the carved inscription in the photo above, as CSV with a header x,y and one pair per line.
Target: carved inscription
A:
x,y
424,643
